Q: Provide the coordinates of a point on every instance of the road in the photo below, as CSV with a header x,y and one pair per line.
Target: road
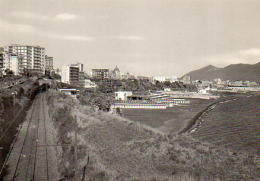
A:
x,y
30,158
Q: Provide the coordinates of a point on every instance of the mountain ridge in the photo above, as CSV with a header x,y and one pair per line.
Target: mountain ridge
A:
x,y
233,72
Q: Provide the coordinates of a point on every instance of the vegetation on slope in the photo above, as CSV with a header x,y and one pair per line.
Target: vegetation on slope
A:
x,y
234,124
14,103
113,148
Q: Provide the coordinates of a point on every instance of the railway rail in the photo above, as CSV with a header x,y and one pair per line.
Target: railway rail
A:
x,y
27,160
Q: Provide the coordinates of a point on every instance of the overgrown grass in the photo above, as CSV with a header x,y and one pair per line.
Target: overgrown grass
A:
x,y
234,124
113,148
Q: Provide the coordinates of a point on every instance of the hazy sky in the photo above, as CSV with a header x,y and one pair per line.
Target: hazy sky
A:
x,y
144,37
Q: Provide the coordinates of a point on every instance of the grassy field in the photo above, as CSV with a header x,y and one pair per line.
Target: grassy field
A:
x,y
114,148
170,120
235,124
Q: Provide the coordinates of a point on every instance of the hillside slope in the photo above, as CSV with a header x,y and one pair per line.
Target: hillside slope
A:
x,y
232,72
113,148
234,124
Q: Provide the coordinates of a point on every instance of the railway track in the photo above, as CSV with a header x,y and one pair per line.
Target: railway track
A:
x,y
13,143
28,160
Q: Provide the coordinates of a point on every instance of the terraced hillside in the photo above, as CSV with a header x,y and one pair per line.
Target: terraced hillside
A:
x,y
234,124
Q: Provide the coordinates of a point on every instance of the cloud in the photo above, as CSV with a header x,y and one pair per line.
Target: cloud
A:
x,y
129,37
66,16
70,37
29,15
41,17
7,26
16,27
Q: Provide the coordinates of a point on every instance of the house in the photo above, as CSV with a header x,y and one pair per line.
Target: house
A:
x,y
122,95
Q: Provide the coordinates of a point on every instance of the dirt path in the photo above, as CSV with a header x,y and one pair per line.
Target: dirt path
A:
x,y
31,158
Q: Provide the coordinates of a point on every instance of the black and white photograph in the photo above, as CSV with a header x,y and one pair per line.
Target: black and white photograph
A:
x,y
130,90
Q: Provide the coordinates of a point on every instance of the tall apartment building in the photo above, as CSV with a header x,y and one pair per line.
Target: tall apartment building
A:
x,y
100,74
33,57
48,63
70,74
81,81
12,62
79,65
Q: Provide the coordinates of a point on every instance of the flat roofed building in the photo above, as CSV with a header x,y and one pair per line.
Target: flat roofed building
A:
x,y
123,95
12,62
100,74
79,65
33,57
48,63
70,75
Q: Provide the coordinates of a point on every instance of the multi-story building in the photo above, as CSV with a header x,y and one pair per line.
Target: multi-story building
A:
x,y
12,62
100,74
70,75
79,65
33,57
81,81
48,63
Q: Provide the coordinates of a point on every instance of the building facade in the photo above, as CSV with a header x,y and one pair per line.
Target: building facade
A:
x,y
165,78
70,75
79,65
12,62
33,57
81,77
100,74
122,95
48,63
89,84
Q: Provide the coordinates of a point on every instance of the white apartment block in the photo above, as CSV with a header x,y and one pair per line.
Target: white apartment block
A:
x,y
12,62
70,74
33,57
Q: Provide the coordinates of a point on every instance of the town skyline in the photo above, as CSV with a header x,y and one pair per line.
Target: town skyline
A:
x,y
141,37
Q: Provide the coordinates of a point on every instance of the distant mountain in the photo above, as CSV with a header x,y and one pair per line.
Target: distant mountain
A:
x,y
232,72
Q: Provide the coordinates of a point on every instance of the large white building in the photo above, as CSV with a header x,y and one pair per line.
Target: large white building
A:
x,y
12,62
70,74
122,95
33,57
165,78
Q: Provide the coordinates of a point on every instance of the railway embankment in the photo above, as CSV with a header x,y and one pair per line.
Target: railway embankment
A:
x,y
99,146
14,103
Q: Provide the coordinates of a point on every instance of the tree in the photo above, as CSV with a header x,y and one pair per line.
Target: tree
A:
x,y
9,72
